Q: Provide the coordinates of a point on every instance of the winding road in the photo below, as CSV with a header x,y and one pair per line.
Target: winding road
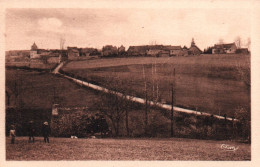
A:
x,y
135,99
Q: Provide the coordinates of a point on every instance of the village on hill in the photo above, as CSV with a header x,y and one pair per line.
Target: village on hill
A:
x,y
44,56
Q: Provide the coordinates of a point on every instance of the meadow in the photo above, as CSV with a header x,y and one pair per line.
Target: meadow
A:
x,y
38,91
125,149
209,83
32,94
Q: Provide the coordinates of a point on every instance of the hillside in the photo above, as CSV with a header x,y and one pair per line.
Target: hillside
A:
x,y
208,83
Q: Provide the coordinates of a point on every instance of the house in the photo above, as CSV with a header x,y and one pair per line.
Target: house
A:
x,y
153,52
137,50
109,50
194,50
164,53
121,50
73,53
88,52
242,51
185,51
175,50
224,48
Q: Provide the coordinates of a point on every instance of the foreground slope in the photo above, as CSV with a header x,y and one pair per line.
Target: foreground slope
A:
x,y
125,149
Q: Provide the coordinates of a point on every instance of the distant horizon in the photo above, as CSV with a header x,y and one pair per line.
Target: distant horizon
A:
x,y
128,27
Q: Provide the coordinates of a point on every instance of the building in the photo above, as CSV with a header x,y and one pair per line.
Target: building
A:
x,y
109,50
175,51
194,50
224,48
242,51
153,52
164,53
185,51
73,53
137,50
34,52
34,47
121,49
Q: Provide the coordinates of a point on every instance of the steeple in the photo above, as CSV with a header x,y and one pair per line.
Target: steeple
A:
x,y
192,42
34,46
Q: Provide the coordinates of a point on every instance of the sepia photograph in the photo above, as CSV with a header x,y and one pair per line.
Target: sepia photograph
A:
x,y
127,84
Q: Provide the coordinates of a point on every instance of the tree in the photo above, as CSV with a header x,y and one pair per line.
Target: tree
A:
x,y
243,114
208,50
115,103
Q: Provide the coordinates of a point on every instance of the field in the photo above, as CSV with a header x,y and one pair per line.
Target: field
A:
x,y
209,83
124,149
33,93
39,90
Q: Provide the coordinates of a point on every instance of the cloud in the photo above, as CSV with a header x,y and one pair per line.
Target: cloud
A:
x,y
50,24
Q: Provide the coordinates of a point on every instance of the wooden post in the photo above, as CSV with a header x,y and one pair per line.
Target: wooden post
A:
x,y
126,122
146,107
153,79
146,114
172,90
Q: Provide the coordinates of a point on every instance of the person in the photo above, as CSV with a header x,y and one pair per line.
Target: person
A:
x,y
46,131
12,134
31,131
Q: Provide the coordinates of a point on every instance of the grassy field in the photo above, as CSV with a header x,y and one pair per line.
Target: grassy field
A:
x,y
37,91
124,149
209,83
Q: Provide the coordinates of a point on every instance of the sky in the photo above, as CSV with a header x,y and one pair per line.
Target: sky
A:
x,y
99,27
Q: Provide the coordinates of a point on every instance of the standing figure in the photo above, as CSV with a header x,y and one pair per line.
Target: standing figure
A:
x,y
46,131
12,134
31,131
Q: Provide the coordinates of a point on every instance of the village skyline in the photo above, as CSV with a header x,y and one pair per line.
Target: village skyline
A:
x,y
129,27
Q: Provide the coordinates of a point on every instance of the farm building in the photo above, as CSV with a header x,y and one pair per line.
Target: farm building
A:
x,y
175,51
88,52
17,56
164,53
194,50
109,50
121,49
153,52
224,48
185,51
242,51
73,53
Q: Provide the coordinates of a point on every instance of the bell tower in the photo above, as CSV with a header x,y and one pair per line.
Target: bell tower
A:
x,y
34,46
192,42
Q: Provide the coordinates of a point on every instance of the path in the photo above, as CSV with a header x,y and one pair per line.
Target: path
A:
x,y
135,99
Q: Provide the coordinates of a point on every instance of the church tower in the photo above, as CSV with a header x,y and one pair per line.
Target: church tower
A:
x,y
34,46
192,42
